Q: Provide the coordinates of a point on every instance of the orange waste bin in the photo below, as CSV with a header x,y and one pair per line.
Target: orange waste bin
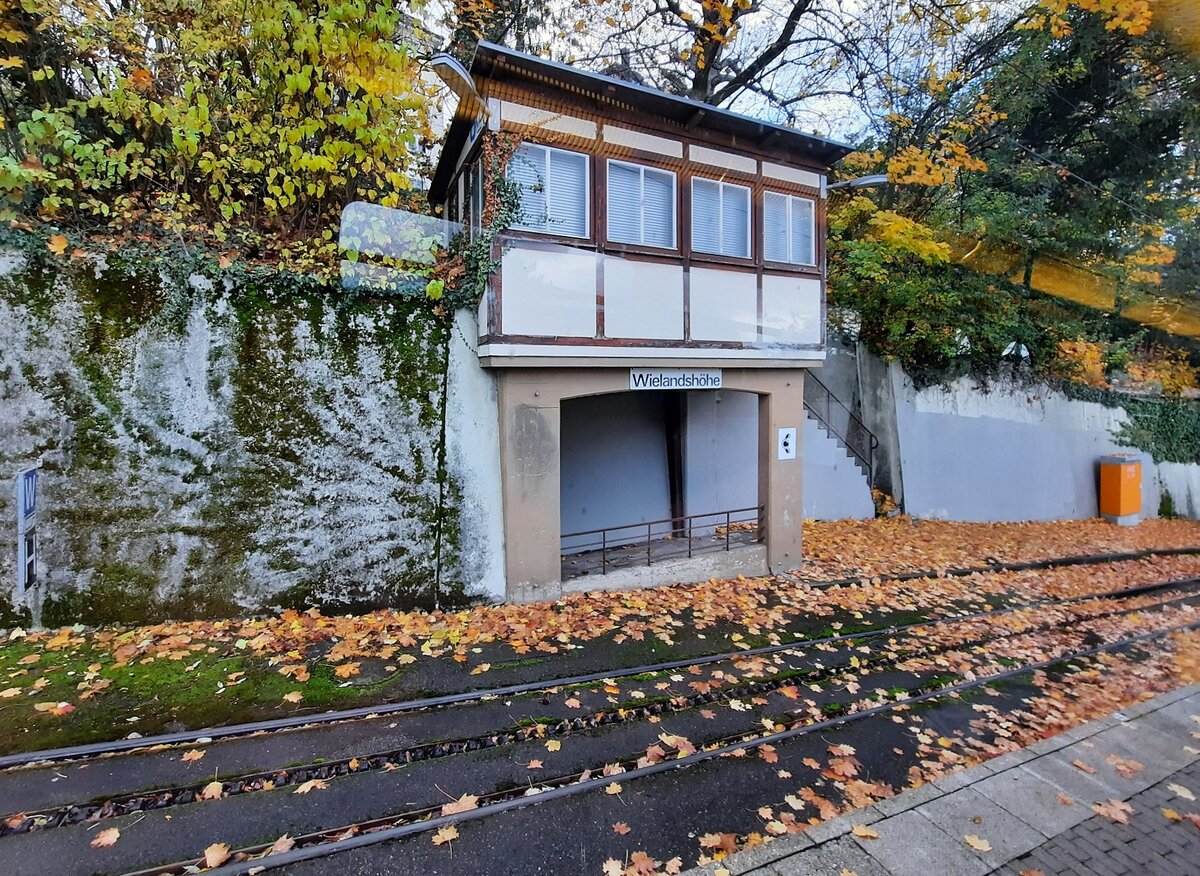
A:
x,y
1121,488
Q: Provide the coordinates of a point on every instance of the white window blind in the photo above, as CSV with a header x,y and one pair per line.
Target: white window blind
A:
x,y
554,189
803,251
789,224
720,218
624,203
641,205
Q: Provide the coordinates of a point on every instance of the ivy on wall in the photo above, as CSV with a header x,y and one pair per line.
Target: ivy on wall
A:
x,y
277,427
470,261
218,441
1166,428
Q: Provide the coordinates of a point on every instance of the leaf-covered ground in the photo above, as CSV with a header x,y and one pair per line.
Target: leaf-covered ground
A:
x,y
72,685
902,544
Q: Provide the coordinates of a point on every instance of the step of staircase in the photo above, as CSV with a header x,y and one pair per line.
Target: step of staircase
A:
x,y
840,443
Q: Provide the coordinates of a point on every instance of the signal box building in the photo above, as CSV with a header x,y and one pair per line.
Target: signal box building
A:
x,y
649,328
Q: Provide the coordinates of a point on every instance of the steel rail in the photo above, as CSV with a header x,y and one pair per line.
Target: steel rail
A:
x,y
318,845
210,734
117,805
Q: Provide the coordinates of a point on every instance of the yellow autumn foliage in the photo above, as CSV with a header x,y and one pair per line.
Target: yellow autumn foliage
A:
x,y
906,235
1171,368
1082,360
247,121
1132,16
1153,254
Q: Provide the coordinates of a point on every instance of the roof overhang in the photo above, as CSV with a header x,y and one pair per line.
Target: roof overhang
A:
x,y
493,62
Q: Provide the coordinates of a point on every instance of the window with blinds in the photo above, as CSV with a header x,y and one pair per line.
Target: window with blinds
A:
x,y
641,205
554,189
720,218
789,224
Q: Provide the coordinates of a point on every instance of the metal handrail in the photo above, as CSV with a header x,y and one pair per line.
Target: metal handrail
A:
x,y
607,542
758,508
828,409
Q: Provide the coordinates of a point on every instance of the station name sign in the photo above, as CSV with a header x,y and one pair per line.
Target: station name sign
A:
x,y
674,378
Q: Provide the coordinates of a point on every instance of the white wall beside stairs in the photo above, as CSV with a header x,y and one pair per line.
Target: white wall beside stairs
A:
x,y
834,487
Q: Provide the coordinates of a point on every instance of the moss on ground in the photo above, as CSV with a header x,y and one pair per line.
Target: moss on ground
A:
x,y
163,695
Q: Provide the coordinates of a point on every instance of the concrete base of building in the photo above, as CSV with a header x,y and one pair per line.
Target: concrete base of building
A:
x,y
530,407
1123,519
748,560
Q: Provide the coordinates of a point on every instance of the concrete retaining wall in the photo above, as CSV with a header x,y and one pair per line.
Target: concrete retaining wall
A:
x,y
209,449
1015,453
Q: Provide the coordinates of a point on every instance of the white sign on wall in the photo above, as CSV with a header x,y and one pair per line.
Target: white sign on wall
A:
x,y
787,442
26,496
674,378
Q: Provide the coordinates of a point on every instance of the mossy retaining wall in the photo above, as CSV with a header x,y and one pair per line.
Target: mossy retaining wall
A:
x,y
212,447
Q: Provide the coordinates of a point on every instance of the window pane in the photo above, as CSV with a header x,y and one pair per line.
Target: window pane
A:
x,y
706,207
624,204
528,169
775,227
735,221
803,252
658,206
567,201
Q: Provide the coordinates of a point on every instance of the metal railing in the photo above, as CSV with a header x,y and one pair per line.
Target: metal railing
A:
x,y
841,422
596,551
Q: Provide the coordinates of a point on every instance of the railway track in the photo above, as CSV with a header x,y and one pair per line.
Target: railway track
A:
x,y
208,735
260,780
1005,566
347,837
1090,622
786,675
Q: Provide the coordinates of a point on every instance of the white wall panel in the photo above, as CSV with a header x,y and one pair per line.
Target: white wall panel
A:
x,y
619,136
642,300
473,455
519,114
548,293
718,158
792,174
791,310
721,452
834,487
724,305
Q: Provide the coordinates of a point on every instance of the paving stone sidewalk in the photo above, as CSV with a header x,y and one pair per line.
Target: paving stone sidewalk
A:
x,y
1031,806
1149,844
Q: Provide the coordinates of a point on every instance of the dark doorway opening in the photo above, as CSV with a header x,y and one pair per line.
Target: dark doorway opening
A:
x,y
648,476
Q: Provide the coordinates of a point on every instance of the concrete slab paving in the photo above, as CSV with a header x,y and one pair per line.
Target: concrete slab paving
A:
x,y
908,799
953,781
1095,753
968,812
1005,761
910,844
1160,753
1034,800
1149,844
833,857
1177,717
753,859
1048,746
843,824
1057,770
